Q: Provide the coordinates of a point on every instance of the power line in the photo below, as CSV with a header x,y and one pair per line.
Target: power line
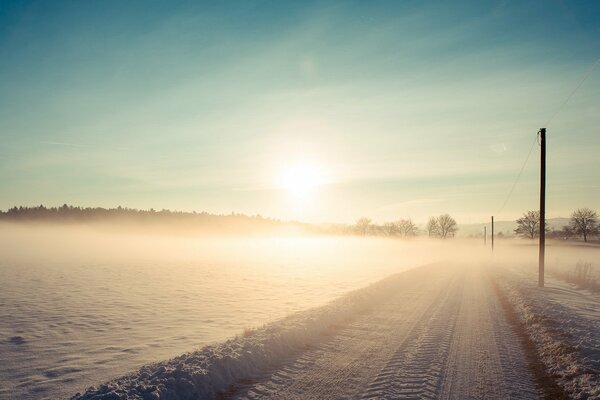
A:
x,y
558,110
587,75
519,175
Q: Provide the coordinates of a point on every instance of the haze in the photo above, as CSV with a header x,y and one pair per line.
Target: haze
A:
x,y
312,199
403,108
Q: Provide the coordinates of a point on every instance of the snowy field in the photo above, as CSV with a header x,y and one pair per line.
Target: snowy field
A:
x,y
78,307
433,332
287,317
475,328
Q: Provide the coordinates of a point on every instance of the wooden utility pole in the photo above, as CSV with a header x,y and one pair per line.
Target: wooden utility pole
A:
x,y
484,235
492,233
542,246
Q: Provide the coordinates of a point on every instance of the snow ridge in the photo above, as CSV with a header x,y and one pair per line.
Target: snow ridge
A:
x,y
213,369
567,343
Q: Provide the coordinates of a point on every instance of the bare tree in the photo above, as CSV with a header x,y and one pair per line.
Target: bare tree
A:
x,y
584,222
363,225
433,228
447,226
529,225
390,229
406,228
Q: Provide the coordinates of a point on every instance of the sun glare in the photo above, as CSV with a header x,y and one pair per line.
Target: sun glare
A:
x,y
301,180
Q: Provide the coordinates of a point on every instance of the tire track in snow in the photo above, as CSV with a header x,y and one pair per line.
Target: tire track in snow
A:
x,y
416,369
444,335
345,364
511,355
485,358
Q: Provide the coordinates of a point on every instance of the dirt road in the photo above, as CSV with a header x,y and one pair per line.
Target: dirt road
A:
x,y
442,335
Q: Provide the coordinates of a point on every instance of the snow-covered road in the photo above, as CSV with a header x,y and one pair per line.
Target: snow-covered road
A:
x,y
434,332
443,334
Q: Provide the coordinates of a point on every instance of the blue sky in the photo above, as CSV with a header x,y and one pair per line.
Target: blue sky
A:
x,y
408,109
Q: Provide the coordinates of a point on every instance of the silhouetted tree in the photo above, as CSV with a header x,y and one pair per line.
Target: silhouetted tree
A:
x,y
584,222
447,226
433,228
406,228
528,225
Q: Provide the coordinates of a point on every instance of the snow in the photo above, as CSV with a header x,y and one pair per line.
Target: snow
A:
x,y
78,308
205,373
312,316
563,321
431,332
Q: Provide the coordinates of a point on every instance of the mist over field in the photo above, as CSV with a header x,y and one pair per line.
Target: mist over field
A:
x,y
303,200
81,304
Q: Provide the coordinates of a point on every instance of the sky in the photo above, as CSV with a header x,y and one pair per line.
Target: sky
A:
x,y
399,109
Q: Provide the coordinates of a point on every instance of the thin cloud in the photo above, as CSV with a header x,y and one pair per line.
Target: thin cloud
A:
x,y
65,144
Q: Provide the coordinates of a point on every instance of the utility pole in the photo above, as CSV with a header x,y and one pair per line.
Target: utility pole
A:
x,y
492,233
484,235
542,246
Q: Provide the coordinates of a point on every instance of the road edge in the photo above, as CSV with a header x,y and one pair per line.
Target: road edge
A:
x,y
544,379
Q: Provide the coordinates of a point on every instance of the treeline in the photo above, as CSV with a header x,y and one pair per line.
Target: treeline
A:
x,y
150,218
443,226
67,212
582,224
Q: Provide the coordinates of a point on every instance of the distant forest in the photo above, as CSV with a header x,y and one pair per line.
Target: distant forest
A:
x,y
443,226
179,221
131,217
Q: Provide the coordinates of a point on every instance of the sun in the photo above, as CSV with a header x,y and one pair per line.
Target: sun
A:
x,y
301,180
